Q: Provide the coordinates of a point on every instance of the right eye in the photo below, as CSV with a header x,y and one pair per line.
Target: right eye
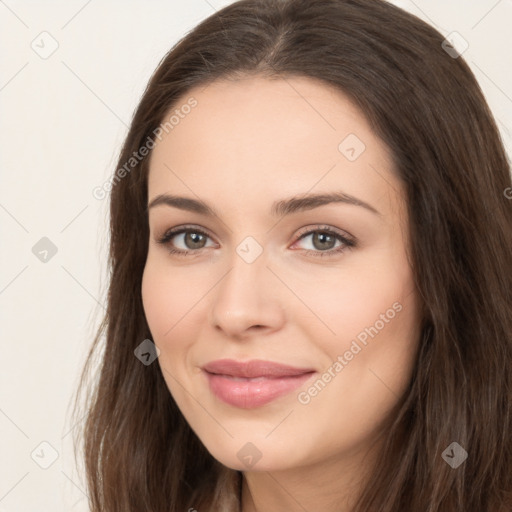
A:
x,y
193,238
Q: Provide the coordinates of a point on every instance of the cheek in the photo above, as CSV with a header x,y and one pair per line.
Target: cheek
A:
x,y
174,304
372,312
368,366
348,302
166,297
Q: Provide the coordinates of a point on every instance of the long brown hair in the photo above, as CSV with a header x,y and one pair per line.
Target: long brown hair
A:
x,y
425,104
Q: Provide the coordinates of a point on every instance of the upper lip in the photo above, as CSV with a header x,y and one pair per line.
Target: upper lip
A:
x,y
253,368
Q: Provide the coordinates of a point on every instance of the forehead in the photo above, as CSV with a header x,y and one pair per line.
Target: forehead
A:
x,y
251,138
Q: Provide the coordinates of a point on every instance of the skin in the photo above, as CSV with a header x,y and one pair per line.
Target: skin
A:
x,y
245,145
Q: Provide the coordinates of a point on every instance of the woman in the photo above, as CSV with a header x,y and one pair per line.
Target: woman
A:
x,y
241,371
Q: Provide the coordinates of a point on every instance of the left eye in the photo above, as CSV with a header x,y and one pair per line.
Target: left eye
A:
x,y
322,241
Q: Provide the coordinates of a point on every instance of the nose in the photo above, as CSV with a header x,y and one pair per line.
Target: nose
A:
x,y
247,300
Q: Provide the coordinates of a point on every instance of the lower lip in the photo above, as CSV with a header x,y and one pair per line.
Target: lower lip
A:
x,y
251,393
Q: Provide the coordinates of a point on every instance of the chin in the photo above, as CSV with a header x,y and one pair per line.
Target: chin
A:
x,y
254,456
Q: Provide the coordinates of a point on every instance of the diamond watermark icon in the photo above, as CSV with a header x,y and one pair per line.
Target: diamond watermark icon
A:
x,y
454,455
249,455
249,249
44,249
454,45
351,147
44,455
45,45
146,352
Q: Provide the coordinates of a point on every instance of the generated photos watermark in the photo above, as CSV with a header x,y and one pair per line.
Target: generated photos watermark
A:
x,y
304,397
100,192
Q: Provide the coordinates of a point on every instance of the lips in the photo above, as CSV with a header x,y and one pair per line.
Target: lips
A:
x,y
253,369
253,383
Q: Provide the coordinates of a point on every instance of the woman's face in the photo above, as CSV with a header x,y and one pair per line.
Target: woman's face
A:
x,y
323,287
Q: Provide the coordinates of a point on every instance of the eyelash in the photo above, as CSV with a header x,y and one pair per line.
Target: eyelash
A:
x,y
348,242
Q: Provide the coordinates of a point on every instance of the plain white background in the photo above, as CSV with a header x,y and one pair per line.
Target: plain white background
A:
x,y
63,119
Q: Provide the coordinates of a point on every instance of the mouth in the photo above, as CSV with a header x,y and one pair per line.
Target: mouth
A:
x,y
251,384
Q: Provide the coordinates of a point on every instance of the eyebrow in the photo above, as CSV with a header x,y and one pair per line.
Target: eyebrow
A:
x,y
279,208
